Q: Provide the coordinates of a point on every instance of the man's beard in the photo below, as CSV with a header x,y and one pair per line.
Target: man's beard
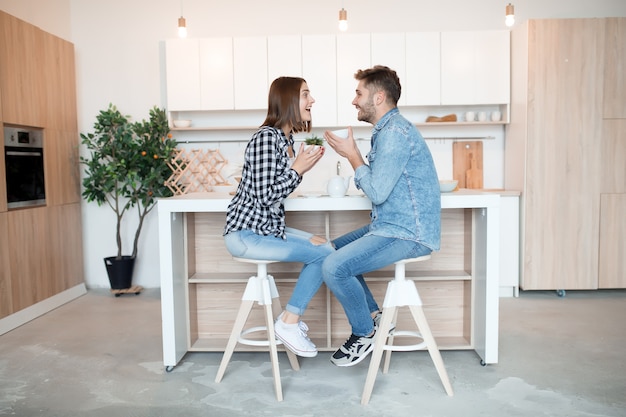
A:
x,y
367,112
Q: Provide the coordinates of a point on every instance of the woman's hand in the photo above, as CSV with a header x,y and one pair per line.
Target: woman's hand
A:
x,y
305,160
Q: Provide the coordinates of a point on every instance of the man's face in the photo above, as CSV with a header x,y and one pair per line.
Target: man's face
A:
x,y
364,103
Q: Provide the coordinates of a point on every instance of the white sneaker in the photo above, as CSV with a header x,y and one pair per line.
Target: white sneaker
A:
x,y
294,337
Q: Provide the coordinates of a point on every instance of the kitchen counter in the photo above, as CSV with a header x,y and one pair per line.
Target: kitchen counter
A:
x,y
198,274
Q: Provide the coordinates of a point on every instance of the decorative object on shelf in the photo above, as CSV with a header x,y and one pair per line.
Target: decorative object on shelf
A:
x,y
195,170
343,20
446,118
509,13
182,123
496,116
467,164
126,167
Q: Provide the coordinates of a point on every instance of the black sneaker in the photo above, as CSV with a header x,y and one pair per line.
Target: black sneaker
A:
x,y
354,350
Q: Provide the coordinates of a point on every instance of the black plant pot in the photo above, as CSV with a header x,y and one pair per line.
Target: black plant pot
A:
x,y
120,271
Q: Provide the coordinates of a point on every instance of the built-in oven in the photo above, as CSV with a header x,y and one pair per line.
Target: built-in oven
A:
x,y
23,159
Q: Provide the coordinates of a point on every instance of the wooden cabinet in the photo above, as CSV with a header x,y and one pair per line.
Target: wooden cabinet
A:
x,y
319,63
554,150
475,68
22,72
614,68
6,294
41,256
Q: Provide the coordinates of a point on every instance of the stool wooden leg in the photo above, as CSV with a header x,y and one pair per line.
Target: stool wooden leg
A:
x,y
293,359
240,321
424,328
379,345
390,342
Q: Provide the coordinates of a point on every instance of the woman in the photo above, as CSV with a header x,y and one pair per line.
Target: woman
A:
x,y
255,219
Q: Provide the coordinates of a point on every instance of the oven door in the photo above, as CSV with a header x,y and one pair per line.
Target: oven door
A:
x,y
24,176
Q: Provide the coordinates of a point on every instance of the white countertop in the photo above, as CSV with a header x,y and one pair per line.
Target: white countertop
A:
x,y
218,202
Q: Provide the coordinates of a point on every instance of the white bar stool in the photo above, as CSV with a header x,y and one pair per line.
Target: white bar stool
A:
x,y
262,290
402,292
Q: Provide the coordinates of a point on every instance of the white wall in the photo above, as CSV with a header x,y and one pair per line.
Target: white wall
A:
x,y
119,58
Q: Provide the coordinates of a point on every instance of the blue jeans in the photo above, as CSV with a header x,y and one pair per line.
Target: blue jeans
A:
x,y
357,253
295,248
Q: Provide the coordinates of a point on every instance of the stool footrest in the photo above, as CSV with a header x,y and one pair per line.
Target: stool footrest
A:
x,y
406,348
254,342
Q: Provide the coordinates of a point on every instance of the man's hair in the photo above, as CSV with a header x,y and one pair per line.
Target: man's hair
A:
x,y
283,105
383,78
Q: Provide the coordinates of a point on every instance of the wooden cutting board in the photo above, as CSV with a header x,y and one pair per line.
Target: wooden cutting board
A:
x,y
467,164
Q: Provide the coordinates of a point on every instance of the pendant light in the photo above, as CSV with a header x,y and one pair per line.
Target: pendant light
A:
x,y
343,20
509,19
182,23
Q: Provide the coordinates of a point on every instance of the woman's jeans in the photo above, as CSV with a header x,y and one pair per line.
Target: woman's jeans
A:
x,y
357,253
295,248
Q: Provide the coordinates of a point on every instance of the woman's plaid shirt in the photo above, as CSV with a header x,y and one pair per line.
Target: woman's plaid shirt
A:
x,y
266,180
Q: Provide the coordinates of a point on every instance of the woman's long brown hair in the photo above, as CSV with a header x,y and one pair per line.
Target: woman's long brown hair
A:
x,y
283,105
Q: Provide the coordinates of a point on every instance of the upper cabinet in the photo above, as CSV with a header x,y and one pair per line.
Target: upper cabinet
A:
x,y
216,74
353,53
250,73
183,74
435,69
423,64
475,67
318,69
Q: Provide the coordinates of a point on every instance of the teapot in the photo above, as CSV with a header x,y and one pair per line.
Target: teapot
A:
x,y
338,185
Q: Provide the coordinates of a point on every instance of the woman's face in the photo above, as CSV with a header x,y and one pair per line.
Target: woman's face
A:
x,y
306,101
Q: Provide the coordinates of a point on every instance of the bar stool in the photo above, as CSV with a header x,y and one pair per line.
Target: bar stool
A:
x,y
262,290
402,292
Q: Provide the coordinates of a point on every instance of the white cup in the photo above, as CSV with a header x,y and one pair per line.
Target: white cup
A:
x,y
496,116
342,133
469,116
482,116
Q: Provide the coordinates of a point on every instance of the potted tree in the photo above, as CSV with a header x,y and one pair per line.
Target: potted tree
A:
x,y
126,169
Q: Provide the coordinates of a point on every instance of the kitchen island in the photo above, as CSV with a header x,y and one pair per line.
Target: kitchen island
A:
x,y
201,286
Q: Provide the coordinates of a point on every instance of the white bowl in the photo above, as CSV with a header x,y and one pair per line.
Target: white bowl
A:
x,y
447,186
182,123
311,148
342,133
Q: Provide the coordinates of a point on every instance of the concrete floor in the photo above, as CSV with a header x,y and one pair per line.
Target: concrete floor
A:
x,y
100,356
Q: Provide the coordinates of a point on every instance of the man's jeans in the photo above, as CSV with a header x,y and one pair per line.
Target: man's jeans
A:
x,y
357,253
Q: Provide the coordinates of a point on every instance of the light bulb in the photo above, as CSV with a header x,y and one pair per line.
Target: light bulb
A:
x,y
182,27
343,20
509,20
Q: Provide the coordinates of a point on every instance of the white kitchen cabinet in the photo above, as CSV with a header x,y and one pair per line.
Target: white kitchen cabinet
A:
x,y
389,49
250,72
216,74
284,57
183,74
353,54
319,69
422,85
475,68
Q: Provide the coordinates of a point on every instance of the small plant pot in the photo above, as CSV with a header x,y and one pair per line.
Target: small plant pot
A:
x,y
120,271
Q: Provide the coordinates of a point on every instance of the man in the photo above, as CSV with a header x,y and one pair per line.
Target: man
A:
x,y
401,181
